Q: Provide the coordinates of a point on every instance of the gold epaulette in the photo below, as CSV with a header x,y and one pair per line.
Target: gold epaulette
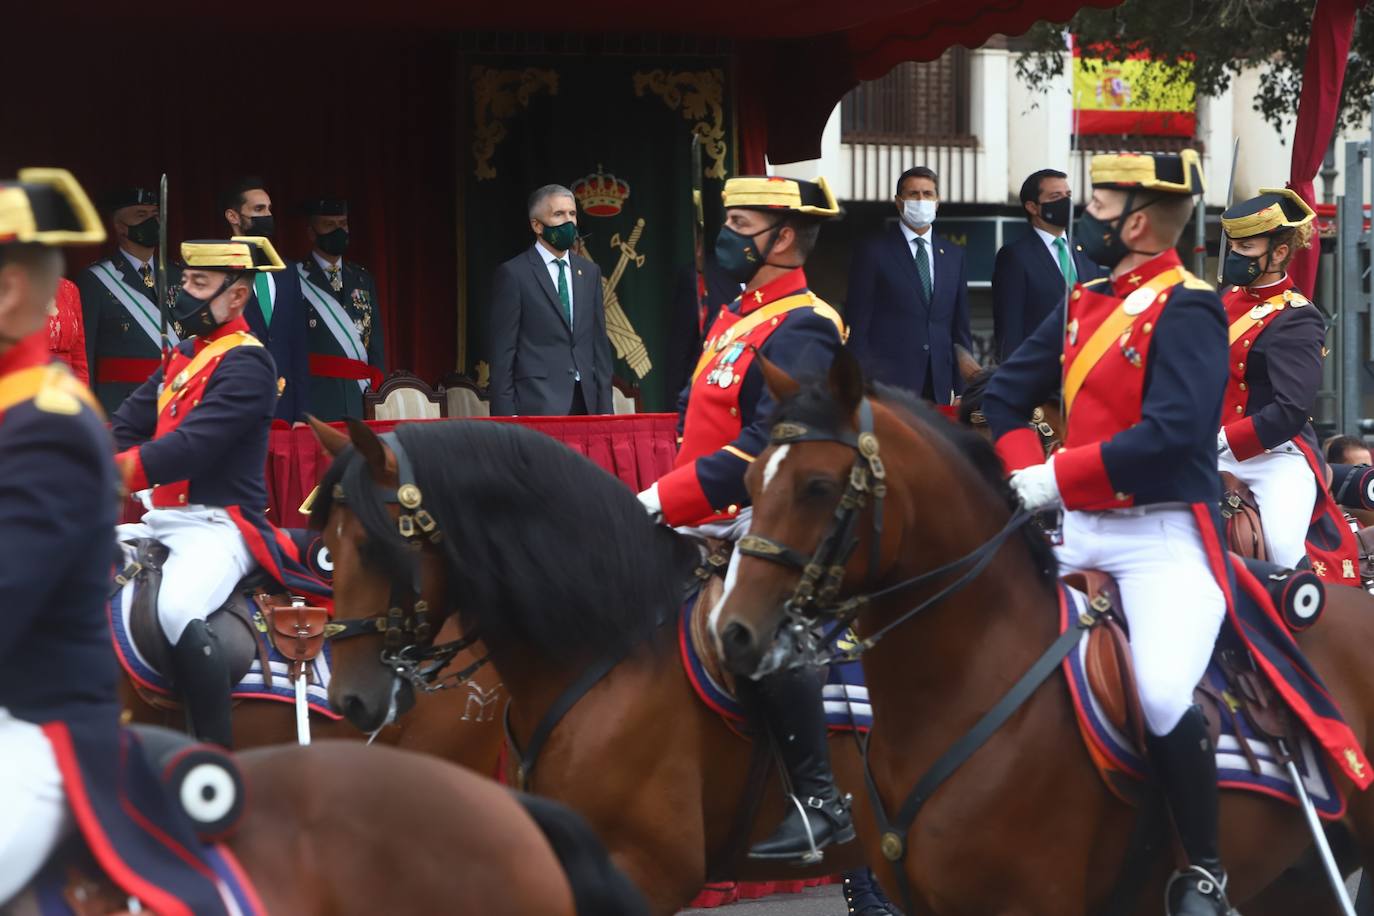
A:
x,y
1192,282
52,388
826,311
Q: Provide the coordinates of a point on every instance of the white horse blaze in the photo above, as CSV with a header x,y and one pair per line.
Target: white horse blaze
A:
x,y
770,470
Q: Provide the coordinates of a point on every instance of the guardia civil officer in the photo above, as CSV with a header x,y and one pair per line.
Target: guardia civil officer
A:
x,y
119,307
65,763
346,352
1278,341
771,225
195,450
1143,376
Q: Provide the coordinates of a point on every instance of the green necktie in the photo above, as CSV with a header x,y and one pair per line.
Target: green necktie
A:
x,y
1065,262
563,295
264,293
923,266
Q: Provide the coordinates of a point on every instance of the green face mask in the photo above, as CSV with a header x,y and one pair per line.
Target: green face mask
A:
x,y
561,236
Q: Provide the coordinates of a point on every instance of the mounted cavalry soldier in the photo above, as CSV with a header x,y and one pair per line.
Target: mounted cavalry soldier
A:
x,y
346,352
67,762
771,225
1277,345
119,304
1141,357
195,449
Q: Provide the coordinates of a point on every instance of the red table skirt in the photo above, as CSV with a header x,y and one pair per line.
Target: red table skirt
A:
x,y
713,895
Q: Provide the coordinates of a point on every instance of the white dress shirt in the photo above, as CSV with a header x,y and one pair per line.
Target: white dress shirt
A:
x,y
324,262
929,236
135,262
1049,239
551,262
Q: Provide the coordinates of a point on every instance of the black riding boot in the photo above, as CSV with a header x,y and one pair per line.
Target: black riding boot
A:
x,y
864,896
1186,764
202,673
789,704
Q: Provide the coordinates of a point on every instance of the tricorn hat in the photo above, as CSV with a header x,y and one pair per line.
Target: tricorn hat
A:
x,y
236,255
1274,210
811,198
1164,173
47,207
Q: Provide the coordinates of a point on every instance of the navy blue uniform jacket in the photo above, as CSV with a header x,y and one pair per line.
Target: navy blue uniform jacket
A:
x,y
1026,286
897,334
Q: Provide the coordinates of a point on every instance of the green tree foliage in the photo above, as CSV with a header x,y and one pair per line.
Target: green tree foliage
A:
x,y
1220,37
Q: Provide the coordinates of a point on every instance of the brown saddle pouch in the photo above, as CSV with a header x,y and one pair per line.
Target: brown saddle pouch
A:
x,y
1107,661
1240,509
296,630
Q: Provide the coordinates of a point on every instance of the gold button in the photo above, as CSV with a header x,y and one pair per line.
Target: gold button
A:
x,y
1162,297
1078,294
1242,386
1121,497
734,411
1246,344
1061,358
1240,409
732,509
1147,327
775,321
1240,366
181,498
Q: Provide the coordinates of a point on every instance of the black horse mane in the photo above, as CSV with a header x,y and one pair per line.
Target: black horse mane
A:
x,y
815,406
542,547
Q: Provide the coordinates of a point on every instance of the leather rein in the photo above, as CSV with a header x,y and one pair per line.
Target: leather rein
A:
x,y
817,592
406,626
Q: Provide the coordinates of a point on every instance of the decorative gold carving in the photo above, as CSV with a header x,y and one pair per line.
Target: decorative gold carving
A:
x,y
697,94
496,97
483,370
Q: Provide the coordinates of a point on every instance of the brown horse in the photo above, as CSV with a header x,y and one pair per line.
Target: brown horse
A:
x,y
554,563
1025,825
341,828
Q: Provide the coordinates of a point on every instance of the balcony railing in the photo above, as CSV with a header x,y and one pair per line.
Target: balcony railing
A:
x,y
1089,146
875,164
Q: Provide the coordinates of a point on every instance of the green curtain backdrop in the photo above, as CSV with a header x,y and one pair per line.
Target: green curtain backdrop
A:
x,y
576,121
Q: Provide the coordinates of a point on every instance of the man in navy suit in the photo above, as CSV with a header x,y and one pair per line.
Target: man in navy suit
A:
x,y
908,298
1033,273
276,313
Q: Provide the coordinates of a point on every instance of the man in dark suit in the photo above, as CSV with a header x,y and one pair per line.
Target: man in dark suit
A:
x,y
276,314
908,298
346,351
1033,273
119,307
550,355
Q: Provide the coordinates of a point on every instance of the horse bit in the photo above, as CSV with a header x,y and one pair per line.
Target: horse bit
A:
x,y
408,613
817,592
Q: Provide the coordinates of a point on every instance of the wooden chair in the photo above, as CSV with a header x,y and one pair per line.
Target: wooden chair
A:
x,y
404,396
463,397
624,396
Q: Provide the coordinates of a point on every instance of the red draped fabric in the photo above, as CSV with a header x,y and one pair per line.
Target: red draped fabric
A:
x,y
1333,24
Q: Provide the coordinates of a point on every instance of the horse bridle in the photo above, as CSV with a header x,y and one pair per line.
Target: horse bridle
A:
x,y
406,625
1038,422
817,592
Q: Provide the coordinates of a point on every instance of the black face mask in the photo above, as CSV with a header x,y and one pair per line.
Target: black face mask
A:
x,y
144,233
1057,212
258,225
193,316
1101,240
738,255
333,242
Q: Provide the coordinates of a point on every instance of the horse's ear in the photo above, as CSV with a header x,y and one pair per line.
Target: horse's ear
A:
x,y
780,385
331,440
968,363
846,380
369,446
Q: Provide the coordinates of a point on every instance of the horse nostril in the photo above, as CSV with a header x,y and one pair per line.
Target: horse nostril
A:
x,y
354,709
737,638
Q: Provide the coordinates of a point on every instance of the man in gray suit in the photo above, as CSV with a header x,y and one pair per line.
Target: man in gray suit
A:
x,y
550,355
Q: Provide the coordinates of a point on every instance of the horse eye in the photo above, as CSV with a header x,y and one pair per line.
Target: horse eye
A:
x,y
819,488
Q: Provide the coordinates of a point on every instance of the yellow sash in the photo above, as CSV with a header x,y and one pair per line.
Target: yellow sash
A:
x,y
202,359
739,329
1245,322
1106,334
52,386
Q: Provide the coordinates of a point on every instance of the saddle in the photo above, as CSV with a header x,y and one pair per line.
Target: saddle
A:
x,y
1111,677
1240,509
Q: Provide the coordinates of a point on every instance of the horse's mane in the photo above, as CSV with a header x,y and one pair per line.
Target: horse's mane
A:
x,y
542,547
814,406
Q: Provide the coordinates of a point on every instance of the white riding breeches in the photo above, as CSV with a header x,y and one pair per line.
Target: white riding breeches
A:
x,y
1286,491
1172,602
33,805
206,558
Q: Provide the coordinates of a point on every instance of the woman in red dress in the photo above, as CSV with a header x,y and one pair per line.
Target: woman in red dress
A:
x,y
66,334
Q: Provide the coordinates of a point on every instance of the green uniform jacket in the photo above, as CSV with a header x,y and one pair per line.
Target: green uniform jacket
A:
x,y
113,334
336,398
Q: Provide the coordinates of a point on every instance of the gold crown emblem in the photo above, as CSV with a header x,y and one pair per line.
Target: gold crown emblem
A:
x,y
600,194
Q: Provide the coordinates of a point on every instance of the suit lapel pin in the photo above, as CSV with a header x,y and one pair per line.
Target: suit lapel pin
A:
x,y
579,271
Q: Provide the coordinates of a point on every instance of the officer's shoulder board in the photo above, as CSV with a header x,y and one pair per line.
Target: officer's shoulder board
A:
x,y
1294,299
826,311
1098,281
1190,281
51,388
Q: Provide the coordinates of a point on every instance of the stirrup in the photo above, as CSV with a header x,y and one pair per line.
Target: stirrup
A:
x,y
1207,883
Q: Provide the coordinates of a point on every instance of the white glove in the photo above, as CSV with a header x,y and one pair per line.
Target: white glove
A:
x,y
650,501
1223,446
1036,487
